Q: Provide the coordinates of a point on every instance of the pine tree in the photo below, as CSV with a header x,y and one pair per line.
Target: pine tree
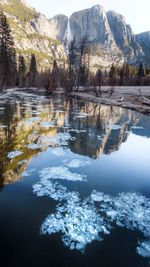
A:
x,y
72,54
56,74
99,78
82,76
33,71
22,71
122,75
112,76
8,65
127,74
141,71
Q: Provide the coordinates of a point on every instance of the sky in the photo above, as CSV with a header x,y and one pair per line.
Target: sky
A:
x,y
136,12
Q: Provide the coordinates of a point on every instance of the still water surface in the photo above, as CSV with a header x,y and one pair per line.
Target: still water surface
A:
x,y
74,183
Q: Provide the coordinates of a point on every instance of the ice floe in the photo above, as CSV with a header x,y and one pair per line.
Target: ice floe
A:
x,y
63,138
2,126
82,221
76,163
59,151
137,128
48,124
82,115
60,139
33,146
28,172
61,173
143,248
22,162
114,127
30,121
14,154
133,212
51,189
79,223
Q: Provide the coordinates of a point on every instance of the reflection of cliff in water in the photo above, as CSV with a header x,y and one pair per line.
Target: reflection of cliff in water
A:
x,y
103,131
96,130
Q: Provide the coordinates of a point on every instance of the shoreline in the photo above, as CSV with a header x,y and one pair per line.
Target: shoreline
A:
x,y
125,97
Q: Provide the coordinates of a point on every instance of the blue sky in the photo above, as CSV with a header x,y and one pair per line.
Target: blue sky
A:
x,y
136,12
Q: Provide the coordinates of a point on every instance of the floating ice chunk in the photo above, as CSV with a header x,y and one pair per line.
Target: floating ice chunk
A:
x,y
50,189
130,210
100,197
48,124
82,115
143,249
114,127
73,138
133,212
14,154
32,120
59,111
23,162
79,223
76,163
137,128
97,196
3,126
59,139
112,214
62,138
28,173
33,146
99,137
59,151
44,141
36,112
61,173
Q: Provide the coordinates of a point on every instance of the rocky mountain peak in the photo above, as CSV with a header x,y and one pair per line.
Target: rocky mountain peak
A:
x,y
58,26
144,40
144,35
90,24
108,35
124,37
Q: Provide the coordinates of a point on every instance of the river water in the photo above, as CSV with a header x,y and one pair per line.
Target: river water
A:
x,y
74,183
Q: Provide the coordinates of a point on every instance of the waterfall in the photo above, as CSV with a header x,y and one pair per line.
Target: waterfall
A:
x,y
68,37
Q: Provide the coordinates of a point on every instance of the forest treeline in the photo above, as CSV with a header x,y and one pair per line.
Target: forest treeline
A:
x,y
14,70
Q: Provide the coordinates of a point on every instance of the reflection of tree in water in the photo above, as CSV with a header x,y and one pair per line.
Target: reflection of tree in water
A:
x,y
17,135
89,124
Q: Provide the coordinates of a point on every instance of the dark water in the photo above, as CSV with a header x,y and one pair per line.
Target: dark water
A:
x,y
74,183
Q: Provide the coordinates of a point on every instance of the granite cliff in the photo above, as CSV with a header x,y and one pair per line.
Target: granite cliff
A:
x,y
109,37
